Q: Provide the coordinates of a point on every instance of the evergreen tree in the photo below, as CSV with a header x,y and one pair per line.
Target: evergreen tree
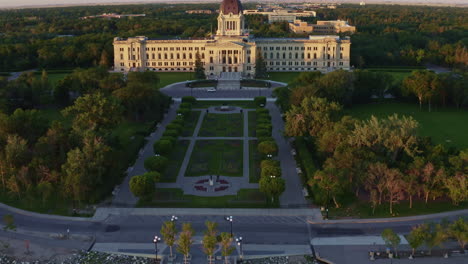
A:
x,y
260,67
199,70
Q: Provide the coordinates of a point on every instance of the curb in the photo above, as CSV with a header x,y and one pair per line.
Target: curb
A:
x,y
463,212
46,216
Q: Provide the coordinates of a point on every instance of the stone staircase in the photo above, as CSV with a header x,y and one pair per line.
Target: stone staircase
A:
x,y
230,76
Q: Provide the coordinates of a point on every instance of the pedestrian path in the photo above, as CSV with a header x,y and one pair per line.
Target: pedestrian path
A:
x,y
293,195
124,197
352,240
205,185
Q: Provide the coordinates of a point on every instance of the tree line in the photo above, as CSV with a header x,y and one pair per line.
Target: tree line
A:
x,y
75,155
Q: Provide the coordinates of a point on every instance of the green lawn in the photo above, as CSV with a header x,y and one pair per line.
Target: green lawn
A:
x,y
190,124
285,77
362,209
254,164
176,158
446,126
243,104
252,124
222,125
245,198
166,78
213,157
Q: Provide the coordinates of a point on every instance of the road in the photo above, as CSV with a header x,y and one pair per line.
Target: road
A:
x,y
131,227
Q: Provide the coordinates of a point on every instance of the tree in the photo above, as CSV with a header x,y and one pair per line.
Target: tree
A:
x,y
209,240
457,187
391,239
312,117
185,240
330,179
226,246
169,231
267,147
394,185
431,180
417,236
436,235
156,163
270,170
459,230
162,147
94,113
272,186
86,170
199,69
419,83
142,186
375,179
260,67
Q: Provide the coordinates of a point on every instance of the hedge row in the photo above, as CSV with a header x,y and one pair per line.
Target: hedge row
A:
x,y
264,126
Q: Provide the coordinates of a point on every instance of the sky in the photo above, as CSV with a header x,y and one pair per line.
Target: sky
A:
x,y
19,3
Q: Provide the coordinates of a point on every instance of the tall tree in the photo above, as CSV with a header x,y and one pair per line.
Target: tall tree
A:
x,y
394,185
273,187
260,66
391,239
94,113
185,240
226,246
312,117
169,232
416,237
199,69
86,170
209,240
419,84
459,230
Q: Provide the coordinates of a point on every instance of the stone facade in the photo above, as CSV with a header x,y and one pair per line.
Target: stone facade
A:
x,y
232,50
322,27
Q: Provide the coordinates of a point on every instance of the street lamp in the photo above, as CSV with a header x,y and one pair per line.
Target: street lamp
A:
x,y
241,253
155,241
272,176
174,218
269,156
229,219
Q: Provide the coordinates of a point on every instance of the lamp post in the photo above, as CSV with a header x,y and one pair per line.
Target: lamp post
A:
x,y
155,241
269,156
241,253
174,218
229,219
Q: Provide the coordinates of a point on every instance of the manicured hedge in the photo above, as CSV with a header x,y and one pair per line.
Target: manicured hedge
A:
x,y
184,111
269,163
189,99
266,126
169,138
260,100
171,133
267,147
261,139
176,127
260,111
163,147
263,133
156,163
186,105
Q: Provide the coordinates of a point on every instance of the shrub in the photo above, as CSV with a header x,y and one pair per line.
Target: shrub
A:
x,y
269,163
260,100
264,117
261,139
267,147
184,111
171,133
260,111
179,120
263,133
169,138
186,105
156,176
174,126
305,158
266,126
268,171
189,99
156,163
162,147
263,120
142,186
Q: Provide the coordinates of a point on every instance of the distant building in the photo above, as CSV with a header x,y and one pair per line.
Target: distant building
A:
x,y
281,15
113,15
322,27
362,3
200,11
232,49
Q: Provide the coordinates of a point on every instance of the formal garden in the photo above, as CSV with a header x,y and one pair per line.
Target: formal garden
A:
x,y
209,156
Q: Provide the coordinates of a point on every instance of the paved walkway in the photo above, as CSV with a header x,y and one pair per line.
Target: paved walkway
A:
x,y
293,195
200,186
124,196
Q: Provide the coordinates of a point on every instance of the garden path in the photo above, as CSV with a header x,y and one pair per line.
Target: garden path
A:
x,y
292,196
187,184
123,196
